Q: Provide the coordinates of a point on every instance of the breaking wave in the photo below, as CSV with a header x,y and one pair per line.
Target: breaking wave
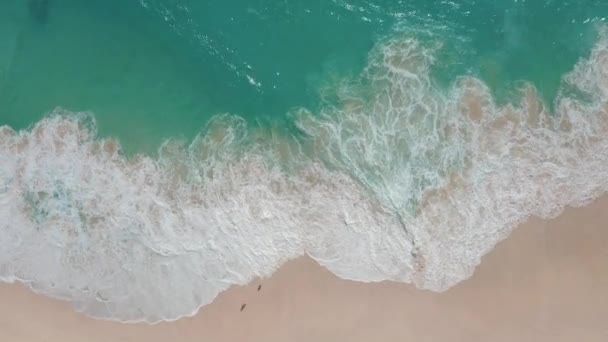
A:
x,y
395,179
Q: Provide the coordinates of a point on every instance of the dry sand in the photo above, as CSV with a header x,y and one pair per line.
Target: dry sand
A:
x,y
547,282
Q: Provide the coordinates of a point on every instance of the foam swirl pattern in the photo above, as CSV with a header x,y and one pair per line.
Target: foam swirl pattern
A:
x,y
398,180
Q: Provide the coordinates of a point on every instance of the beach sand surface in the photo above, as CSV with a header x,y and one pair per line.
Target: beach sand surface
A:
x,y
547,282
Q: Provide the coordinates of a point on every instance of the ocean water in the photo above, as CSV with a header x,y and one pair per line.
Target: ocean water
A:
x,y
155,152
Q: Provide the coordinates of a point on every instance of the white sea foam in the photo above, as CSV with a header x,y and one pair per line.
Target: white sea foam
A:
x,y
398,181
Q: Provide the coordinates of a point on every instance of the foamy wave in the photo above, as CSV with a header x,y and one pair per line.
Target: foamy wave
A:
x,y
398,181
458,171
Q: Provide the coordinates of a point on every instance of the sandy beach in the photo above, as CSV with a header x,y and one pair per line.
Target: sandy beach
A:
x,y
547,282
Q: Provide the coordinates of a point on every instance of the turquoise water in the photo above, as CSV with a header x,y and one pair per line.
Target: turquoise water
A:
x,y
156,69
388,140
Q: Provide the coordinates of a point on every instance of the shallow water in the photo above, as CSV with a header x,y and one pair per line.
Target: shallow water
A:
x,y
155,69
386,140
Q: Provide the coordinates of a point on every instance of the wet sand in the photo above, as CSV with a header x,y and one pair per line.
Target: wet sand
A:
x,y
547,282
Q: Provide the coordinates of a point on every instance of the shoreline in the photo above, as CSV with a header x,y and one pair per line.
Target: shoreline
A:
x,y
547,281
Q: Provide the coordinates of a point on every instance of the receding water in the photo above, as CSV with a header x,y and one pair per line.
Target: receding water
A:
x,y
155,152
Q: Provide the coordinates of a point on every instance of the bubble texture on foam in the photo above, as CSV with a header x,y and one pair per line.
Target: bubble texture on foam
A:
x,y
154,239
458,171
398,181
